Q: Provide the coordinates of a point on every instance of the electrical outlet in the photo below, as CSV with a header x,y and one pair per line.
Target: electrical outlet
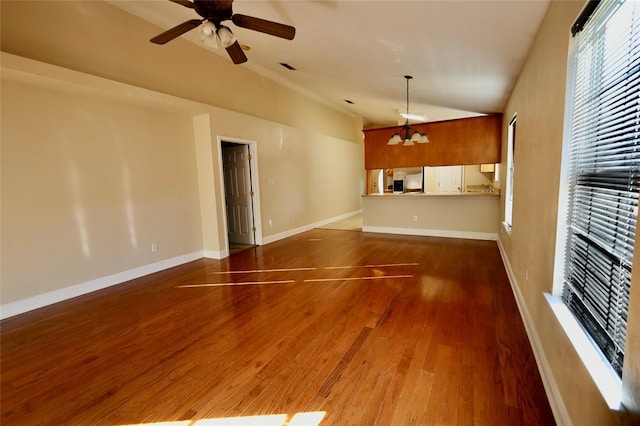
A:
x,y
526,276
154,247
415,217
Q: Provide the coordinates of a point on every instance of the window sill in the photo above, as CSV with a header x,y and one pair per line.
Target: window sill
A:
x,y
605,378
507,227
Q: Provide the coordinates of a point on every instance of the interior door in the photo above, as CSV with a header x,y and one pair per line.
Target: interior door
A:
x,y
238,193
450,179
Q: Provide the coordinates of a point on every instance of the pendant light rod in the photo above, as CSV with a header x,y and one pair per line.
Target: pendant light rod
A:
x,y
407,134
408,77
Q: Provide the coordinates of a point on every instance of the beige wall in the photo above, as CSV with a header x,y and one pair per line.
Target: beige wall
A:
x,y
88,185
473,176
304,177
100,39
530,249
95,167
457,216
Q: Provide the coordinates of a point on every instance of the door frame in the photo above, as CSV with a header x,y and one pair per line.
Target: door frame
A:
x,y
253,167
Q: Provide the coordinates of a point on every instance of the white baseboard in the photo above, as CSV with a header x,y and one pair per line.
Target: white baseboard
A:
x,y
25,305
286,234
216,254
432,233
221,254
558,408
301,229
336,218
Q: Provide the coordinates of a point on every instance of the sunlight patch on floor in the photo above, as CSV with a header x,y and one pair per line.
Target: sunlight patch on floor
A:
x,y
384,277
234,283
312,418
241,283
262,270
388,265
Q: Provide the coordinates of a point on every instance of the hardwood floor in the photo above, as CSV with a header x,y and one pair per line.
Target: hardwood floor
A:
x,y
367,328
351,223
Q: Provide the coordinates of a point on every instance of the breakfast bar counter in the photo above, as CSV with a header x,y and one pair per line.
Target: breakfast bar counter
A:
x,y
472,215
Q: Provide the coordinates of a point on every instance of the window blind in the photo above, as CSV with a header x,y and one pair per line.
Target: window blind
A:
x,y
604,174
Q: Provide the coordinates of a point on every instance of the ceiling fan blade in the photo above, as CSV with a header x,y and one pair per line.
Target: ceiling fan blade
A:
x,y
176,31
236,54
264,26
185,3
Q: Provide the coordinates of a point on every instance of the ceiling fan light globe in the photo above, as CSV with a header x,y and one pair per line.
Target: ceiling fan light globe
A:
x,y
208,29
226,36
415,137
423,138
407,142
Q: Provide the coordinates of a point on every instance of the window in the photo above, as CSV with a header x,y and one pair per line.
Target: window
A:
x,y
508,203
602,170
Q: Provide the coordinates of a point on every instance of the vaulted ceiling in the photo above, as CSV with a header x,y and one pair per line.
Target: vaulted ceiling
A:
x,y
464,56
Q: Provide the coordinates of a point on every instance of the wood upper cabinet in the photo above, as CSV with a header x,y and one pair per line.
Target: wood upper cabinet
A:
x,y
487,168
475,140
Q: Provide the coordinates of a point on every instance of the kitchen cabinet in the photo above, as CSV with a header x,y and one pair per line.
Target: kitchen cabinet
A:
x,y
464,141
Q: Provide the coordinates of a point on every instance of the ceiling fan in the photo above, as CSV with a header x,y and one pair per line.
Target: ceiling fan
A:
x,y
213,12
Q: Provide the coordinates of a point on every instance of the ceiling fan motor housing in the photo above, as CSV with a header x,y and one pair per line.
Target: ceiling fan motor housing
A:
x,y
213,10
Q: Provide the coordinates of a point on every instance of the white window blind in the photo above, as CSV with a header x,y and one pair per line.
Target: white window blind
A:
x,y
604,174
511,145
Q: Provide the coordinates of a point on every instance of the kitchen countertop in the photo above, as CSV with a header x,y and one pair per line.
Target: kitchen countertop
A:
x,y
434,194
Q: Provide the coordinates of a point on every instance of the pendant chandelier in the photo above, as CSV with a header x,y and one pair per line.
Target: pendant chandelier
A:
x,y
407,133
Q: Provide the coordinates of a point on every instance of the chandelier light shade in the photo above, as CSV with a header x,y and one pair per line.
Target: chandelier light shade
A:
x,y
407,134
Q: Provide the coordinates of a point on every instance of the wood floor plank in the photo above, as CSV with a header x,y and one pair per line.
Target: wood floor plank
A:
x,y
368,328
415,393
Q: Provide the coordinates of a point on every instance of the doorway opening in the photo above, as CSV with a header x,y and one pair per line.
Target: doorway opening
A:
x,y
239,195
